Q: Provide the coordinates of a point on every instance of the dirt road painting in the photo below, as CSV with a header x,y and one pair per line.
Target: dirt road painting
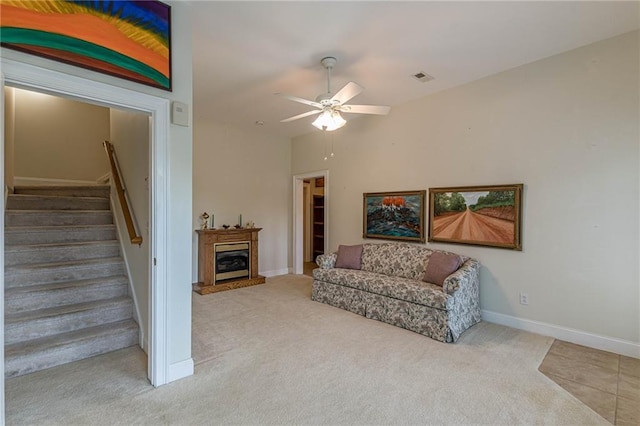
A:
x,y
483,215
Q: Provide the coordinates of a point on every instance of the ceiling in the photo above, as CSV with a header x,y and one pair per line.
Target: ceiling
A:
x,y
245,52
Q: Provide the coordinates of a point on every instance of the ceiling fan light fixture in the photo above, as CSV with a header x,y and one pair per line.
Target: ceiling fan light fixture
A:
x,y
329,121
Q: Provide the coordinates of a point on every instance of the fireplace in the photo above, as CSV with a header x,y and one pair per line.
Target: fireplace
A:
x,y
231,261
227,259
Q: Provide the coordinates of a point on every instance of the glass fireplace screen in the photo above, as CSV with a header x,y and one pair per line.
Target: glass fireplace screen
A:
x,y
231,261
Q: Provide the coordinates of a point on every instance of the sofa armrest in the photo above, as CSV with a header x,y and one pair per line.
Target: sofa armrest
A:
x,y
327,261
466,277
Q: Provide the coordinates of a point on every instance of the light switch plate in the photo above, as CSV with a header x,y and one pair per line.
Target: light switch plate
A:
x,y
179,114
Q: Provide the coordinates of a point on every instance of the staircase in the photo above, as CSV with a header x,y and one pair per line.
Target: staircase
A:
x,y
66,290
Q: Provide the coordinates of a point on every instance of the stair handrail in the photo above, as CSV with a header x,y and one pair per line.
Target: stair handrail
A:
x,y
117,180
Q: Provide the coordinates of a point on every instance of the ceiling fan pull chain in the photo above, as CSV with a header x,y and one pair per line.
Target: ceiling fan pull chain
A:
x,y
324,143
332,140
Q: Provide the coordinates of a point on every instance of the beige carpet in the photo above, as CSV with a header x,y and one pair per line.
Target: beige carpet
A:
x,y
269,355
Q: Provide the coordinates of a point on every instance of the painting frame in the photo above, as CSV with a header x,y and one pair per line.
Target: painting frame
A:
x,y
395,215
499,225
128,39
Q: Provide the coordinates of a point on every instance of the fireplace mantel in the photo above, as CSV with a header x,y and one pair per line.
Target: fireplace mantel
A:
x,y
207,239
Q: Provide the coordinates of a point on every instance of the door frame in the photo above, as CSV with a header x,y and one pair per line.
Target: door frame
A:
x,y
298,215
30,77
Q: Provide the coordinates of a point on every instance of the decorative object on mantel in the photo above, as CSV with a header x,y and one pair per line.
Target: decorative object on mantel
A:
x,y
129,39
225,226
394,215
477,215
204,218
227,259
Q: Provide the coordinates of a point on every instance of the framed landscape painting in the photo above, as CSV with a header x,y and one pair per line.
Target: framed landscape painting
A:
x,y
394,215
478,215
127,39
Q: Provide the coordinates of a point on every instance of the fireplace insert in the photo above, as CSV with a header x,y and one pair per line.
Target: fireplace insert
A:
x,y
231,261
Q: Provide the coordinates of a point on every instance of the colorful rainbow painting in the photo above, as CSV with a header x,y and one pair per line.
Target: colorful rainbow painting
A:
x,y
126,39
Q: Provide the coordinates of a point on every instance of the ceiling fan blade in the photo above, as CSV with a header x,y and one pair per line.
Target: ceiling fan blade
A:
x,y
300,100
304,114
366,109
351,90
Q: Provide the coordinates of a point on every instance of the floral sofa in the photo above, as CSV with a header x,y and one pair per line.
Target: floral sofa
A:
x,y
391,285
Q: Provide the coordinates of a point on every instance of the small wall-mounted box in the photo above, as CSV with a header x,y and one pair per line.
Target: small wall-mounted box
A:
x,y
179,114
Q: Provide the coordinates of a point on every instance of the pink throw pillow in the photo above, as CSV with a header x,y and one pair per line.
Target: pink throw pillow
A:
x,y
440,266
349,257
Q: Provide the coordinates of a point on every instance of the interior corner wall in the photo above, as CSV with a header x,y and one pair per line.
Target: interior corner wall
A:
x,y
239,171
59,138
130,138
565,126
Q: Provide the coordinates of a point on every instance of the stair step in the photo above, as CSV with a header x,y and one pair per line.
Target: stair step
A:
x,y
101,191
58,234
65,252
27,357
48,202
57,217
66,292
44,273
30,325
21,299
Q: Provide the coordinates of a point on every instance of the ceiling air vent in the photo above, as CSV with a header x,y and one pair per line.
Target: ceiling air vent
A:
x,y
422,76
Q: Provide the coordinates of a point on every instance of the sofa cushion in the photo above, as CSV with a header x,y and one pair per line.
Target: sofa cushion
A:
x,y
439,266
395,259
349,257
409,290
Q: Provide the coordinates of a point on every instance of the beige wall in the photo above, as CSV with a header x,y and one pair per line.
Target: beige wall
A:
x,y
59,138
9,135
130,138
566,127
237,171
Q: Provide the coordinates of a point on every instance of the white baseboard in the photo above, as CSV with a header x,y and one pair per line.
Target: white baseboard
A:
x,y
104,179
180,370
275,272
610,344
21,180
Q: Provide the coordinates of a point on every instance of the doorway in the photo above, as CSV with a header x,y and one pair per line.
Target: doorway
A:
x,y
29,77
310,219
313,218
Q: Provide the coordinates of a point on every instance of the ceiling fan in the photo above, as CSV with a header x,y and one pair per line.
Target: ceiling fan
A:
x,y
329,105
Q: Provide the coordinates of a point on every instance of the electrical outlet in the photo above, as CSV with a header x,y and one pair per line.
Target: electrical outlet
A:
x,y
524,299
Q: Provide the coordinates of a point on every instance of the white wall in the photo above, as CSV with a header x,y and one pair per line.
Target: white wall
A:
x,y
178,171
67,141
238,171
130,139
566,127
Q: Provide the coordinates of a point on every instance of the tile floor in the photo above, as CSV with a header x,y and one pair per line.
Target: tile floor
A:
x,y
608,383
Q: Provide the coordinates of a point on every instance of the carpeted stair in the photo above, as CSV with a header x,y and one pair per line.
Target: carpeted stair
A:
x,y
66,290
